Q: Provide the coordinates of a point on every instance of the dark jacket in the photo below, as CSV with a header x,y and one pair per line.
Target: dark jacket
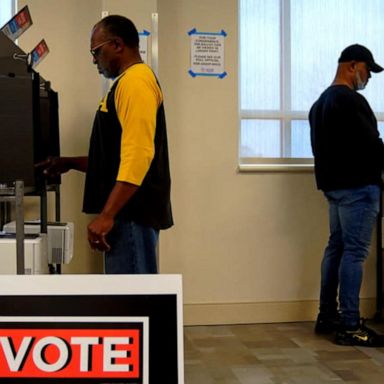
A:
x,y
345,140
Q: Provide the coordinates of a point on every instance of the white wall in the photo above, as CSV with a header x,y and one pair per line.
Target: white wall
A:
x,y
248,245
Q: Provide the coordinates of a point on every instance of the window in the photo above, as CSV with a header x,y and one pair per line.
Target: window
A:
x,y
288,56
7,10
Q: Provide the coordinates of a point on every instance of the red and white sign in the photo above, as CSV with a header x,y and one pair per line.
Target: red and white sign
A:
x,y
83,347
39,52
18,24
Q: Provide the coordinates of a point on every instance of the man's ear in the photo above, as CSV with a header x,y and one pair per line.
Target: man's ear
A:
x,y
352,66
119,43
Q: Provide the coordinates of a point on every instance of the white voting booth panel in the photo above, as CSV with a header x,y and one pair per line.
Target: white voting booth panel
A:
x,y
59,239
35,256
91,328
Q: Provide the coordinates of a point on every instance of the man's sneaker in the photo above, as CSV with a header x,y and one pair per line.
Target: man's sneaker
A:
x,y
363,337
326,324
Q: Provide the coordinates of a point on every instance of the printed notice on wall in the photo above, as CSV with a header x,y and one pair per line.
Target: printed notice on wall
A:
x,y
143,45
207,53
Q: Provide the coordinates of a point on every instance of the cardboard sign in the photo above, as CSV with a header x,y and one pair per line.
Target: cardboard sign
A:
x,y
79,348
39,52
91,328
18,24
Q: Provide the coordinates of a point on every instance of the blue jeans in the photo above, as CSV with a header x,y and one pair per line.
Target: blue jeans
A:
x,y
352,216
133,249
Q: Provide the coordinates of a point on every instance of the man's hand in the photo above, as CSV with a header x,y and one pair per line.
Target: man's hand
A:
x,y
102,224
97,232
54,166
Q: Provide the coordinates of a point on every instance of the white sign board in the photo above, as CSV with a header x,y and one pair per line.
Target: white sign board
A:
x,y
99,328
143,45
207,53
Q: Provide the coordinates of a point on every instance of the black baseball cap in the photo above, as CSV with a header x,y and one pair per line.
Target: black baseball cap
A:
x,y
360,53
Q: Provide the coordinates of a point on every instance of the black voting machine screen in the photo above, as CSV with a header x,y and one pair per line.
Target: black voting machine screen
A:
x,y
29,118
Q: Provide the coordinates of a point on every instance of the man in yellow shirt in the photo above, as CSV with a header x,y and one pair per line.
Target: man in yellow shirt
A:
x,y
127,167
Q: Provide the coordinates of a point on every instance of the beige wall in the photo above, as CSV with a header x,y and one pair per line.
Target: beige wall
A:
x,y
248,245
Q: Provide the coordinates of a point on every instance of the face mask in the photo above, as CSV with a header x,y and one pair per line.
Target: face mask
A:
x,y
360,85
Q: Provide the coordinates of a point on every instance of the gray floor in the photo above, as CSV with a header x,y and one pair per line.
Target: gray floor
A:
x,y
288,353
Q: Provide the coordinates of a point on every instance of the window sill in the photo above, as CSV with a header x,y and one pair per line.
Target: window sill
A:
x,y
302,168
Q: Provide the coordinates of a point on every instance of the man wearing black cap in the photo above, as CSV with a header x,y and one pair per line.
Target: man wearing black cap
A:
x,y
349,159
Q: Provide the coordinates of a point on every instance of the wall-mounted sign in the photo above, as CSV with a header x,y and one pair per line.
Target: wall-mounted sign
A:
x,y
143,45
18,24
91,329
207,53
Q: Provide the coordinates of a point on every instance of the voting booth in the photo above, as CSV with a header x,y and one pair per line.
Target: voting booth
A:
x,y
28,108
29,133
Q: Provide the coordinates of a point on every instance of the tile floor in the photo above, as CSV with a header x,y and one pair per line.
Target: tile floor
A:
x,y
288,353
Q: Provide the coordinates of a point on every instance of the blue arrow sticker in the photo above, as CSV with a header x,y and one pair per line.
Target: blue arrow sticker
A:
x,y
144,33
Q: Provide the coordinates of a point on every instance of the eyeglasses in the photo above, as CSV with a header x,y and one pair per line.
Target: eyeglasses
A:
x,y
95,50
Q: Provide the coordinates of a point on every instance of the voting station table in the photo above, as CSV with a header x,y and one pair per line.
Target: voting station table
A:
x,y
91,329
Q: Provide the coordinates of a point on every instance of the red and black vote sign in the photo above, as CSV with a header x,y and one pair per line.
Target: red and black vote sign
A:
x,y
89,338
82,350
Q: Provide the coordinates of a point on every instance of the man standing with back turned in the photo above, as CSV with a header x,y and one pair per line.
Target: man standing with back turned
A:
x,y
349,158
127,167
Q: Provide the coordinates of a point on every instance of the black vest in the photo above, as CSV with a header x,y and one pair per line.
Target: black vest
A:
x,y
151,204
